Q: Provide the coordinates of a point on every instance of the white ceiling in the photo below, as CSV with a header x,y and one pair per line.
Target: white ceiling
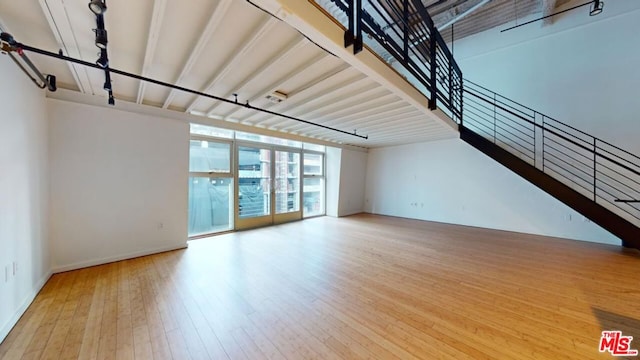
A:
x,y
219,47
489,15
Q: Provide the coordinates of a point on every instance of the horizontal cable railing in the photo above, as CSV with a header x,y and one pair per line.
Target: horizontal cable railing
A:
x,y
402,34
605,173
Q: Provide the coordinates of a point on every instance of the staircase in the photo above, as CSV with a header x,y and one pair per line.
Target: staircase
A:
x,y
599,180
595,178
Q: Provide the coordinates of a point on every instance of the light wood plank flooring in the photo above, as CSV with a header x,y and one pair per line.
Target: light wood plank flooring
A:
x,y
366,286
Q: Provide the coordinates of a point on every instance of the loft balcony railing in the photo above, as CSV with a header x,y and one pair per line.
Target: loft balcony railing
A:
x,y
603,172
402,33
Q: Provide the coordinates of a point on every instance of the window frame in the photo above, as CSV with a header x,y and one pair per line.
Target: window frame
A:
x,y
316,176
214,174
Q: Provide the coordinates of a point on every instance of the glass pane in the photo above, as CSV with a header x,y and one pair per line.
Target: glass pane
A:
x,y
211,131
254,182
313,196
287,182
267,139
313,164
210,205
207,156
314,147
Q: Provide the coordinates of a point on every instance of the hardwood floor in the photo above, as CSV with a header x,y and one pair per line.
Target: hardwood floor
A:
x,y
359,287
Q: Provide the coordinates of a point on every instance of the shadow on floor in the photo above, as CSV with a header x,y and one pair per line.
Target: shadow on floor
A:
x,y
628,326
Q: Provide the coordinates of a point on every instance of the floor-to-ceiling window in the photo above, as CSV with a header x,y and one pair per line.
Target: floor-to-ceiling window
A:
x,y
254,182
314,180
211,181
240,180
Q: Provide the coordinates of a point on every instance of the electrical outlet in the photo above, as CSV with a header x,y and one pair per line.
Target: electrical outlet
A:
x,y
160,226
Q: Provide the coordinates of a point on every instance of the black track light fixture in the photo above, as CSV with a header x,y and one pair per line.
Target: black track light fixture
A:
x,y
596,7
98,7
103,59
52,83
101,38
103,62
107,81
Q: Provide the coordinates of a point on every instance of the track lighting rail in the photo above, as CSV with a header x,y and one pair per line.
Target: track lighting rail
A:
x,y
24,47
596,9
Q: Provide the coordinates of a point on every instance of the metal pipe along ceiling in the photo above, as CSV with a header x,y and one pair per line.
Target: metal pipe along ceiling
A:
x,y
464,14
21,46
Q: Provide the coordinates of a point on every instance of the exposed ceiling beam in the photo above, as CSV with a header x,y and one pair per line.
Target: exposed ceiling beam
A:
x,y
464,14
311,21
309,95
159,7
410,129
315,97
397,114
276,84
351,105
214,21
401,123
58,19
335,70
290,49
443,8
262,30
378,117
396,126
359,118
392,116
548,7
405,137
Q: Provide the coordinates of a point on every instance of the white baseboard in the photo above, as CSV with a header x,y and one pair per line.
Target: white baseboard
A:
x,y
111,259
6,328
350,212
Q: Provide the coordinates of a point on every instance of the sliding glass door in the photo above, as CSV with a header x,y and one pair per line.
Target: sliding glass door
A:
x,y
241,180
268,186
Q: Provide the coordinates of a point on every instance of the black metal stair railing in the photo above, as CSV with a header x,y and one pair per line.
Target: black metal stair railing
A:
x,y
604,173
595,177
402,33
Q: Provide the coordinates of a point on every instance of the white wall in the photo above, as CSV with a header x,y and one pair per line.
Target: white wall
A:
x,y
449,181
332,176
353,171
346,177
23,193
581,70
118,184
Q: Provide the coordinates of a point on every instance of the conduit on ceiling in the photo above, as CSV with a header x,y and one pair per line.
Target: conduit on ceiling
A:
x,y
19,47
